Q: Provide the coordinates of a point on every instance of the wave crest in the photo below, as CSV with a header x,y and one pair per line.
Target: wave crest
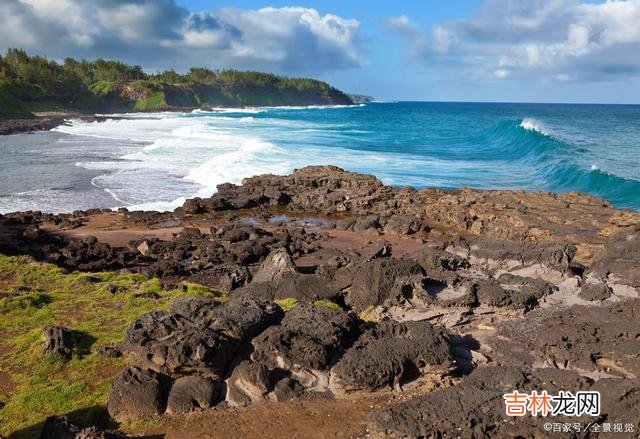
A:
x,y
531,124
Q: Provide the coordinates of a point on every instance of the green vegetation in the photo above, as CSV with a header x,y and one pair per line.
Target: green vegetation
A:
x,y
328,304
289,302
97,308
38,84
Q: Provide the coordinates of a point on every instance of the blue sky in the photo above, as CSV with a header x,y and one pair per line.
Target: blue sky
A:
x,y
462,50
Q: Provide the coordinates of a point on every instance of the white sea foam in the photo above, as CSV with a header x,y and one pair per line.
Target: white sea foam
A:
x,y
174,156
534,125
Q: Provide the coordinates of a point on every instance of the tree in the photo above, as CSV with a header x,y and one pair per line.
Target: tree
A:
x,y
202,75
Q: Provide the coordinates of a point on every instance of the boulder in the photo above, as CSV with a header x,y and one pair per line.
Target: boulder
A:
x,y
285,389
402,225
109,352
309,336
593,291
372,282
275,266
304,287
249,382
190,393
390,353
242,319
173,345
58,341
136,393
222,277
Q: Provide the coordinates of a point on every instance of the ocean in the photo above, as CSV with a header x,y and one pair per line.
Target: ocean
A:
x,y
156,160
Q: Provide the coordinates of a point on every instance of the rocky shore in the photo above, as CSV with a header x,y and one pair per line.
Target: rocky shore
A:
x,y
27,125
422,306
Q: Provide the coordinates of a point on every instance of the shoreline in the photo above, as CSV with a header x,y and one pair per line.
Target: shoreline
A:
x,y
322,290
47,120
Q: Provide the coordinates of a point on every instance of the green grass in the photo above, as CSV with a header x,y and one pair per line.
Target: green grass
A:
x,y
155,101
328,304
42,386
289,302
101,88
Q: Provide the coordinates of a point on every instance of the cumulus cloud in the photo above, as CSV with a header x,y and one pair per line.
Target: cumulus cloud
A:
x,y
561,40
161,34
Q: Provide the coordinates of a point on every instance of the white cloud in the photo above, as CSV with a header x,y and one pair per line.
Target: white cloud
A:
x,y
161,34
562,40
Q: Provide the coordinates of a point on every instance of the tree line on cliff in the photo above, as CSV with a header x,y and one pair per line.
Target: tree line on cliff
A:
x,y
35,83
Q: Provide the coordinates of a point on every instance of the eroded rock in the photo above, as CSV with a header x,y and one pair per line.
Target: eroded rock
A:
x,y
390,353
190,393
137,393
58,341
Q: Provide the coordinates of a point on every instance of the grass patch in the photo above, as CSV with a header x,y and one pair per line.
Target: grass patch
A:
x,y
369,315
287,304
97,308
328,304
154,101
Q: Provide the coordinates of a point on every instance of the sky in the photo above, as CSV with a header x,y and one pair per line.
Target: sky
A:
x,y
458,50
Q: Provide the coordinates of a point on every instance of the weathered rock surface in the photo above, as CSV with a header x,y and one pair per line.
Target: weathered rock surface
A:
x,y
59,427
371,283
249,382
309,336
171,344
391,352
58,341
595,341
472,293
137,393
190,393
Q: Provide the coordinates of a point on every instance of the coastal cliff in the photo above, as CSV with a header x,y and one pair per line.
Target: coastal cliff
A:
x,y
33,85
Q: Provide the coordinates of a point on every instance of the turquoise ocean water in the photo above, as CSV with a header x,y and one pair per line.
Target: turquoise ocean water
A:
x,y
155,161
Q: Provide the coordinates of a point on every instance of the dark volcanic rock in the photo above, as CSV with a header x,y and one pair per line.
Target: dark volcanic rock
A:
x,y
436,260
305,287
136,394
89,254
309,336
58,341
490,250
402,225
59,427
109,352
511,291
249,382
275,266
190,393
372,282
392,352
595,291
475,407
242,319
222,277
620,258
174,345
594,340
